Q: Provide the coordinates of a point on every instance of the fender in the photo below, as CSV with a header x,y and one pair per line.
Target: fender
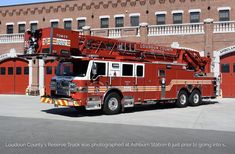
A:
x,y
112,90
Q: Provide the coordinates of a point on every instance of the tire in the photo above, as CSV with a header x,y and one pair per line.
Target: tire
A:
x,y
112,104
195,98
182,100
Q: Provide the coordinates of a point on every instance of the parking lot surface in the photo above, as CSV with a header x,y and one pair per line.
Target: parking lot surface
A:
x,y
217,114
28,126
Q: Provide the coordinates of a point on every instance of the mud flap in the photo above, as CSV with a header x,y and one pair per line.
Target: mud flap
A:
x,y
122,105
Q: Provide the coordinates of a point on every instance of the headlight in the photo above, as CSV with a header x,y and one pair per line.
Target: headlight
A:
x,y
73,87
82,89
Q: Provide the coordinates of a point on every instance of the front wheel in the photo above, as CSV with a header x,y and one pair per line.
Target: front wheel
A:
x,y
195,98
182,100
112,104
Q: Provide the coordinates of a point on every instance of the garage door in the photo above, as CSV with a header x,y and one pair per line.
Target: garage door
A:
x,y
227,66
14,76
50,70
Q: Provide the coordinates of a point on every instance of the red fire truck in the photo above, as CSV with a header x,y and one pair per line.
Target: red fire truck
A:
x,y
110,74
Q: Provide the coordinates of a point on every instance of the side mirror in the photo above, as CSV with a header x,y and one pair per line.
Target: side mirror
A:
x,y
94,69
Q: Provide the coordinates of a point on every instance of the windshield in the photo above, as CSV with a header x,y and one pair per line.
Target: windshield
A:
x,y
72,68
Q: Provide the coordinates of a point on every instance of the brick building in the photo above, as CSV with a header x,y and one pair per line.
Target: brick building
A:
x,y
207,26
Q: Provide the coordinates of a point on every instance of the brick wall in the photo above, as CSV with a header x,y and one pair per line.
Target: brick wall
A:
x,y
44,12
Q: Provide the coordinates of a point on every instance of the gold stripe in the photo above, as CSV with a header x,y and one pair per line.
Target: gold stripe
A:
x,y
60,102
65,103
46,100
42,99
151,88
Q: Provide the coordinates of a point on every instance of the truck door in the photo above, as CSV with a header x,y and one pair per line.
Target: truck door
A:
x,y
114,74
128,81
99,80
151,82
139,82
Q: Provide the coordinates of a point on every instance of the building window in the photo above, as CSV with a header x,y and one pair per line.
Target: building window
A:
x,y
225,68
81,23
101,70
135,20
194,17
2,70
10,70
119,22
33,27
10,29
48,70
140,71
234,68
26,70
21,28
161,19
224,15
18,70
104,22
68,24
54,24
127,70
177,18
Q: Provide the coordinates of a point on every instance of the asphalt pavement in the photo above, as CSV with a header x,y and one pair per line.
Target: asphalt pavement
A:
x,y
27,126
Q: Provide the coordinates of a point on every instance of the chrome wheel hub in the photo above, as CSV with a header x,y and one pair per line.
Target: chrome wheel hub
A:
x,y
113,104
196,98
183,99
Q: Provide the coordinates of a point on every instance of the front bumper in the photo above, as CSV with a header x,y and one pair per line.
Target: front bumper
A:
x,y
59,101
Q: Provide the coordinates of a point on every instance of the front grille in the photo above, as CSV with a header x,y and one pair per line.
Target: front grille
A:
x,y
62,88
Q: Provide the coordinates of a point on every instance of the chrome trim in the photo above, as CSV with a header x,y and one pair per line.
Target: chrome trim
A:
x,y
196,99
113,104
94,103
173,63
128,101
183,99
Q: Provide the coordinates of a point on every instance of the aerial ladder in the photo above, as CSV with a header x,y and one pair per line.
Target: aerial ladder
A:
x,y
62,43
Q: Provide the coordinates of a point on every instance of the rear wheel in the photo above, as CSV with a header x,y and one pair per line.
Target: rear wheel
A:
x,y
112,104
195,98
182,100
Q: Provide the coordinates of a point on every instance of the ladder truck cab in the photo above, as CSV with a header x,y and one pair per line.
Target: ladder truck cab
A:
x,y
109,74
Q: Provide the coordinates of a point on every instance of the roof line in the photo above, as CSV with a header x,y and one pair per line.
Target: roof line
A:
x,y
2,6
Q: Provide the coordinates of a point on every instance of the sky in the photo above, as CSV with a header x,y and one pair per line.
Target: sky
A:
x,y
13,2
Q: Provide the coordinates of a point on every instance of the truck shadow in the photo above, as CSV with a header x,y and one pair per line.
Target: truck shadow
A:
x,y
71,112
